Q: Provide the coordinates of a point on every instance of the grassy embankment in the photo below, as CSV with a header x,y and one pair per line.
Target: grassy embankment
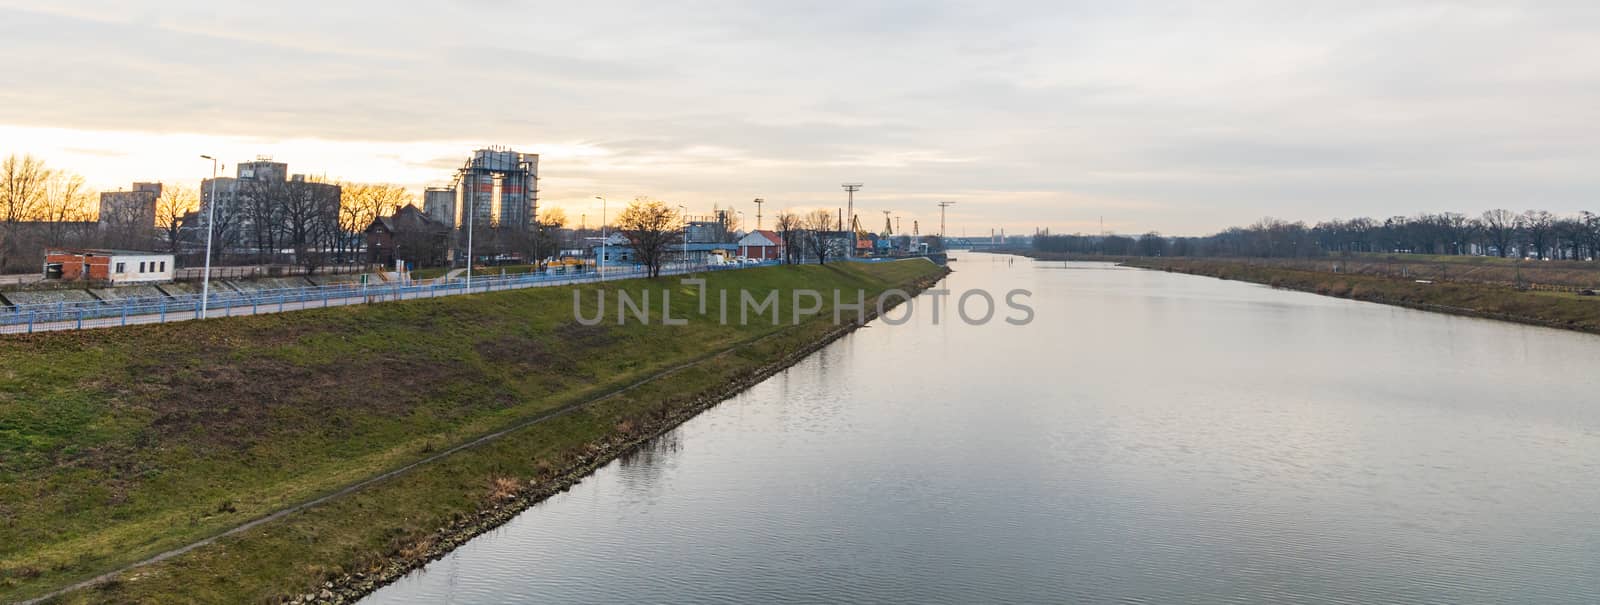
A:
x,y
1550,275
1553,309
116,445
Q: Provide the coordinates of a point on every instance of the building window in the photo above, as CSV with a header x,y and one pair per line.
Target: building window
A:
x,y
121,267
141,267
163,266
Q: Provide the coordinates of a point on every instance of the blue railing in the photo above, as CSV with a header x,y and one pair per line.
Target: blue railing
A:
x,y
225,302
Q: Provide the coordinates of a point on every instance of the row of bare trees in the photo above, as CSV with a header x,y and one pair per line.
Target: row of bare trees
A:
x,y
1532,234
655,230
42,207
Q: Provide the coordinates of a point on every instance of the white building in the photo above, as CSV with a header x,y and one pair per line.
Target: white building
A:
x,y
117,267
141,268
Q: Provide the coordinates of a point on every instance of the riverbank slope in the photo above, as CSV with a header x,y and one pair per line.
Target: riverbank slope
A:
x,y
122,444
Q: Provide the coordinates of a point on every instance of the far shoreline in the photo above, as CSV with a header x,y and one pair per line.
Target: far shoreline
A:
x,y
1557,310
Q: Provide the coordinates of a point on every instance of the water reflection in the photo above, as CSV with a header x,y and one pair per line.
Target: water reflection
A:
x,y
1151,437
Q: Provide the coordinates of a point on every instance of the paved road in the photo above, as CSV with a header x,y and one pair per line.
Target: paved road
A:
x,y
375,295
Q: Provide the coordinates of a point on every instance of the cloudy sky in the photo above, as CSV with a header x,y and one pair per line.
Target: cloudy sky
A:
x,y
1176,117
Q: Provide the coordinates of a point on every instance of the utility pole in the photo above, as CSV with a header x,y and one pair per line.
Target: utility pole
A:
x,y
600,268
759,202
850,189
942,206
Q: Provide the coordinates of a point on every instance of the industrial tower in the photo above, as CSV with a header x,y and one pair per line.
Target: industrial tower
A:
x,y
942,206
498,186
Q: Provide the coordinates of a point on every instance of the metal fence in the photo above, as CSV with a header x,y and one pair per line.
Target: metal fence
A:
x,y
224,302
254,271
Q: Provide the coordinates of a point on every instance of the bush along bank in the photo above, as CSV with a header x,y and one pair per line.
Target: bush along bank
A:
x,y
1549,309
593,392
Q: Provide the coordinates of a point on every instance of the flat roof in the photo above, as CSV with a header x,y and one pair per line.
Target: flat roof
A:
x,y
106,252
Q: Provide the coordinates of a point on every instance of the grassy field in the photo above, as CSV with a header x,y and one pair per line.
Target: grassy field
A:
x,y
1554,309
119,444
433,272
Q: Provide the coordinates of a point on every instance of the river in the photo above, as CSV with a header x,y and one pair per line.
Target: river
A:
x,y
1150,437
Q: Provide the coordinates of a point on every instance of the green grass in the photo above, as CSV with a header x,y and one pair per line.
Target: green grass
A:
x,y
119,444
1455,259
430,273
435,272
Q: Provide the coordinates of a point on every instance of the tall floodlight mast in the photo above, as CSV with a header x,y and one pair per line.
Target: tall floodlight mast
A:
x,y
851,189
942,206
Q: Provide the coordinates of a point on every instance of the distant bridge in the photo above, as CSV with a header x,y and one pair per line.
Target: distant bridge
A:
x,y
972,244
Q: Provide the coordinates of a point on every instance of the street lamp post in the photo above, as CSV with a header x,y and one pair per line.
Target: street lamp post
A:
x,y
741,224
471,207
600,267
211,215
685,242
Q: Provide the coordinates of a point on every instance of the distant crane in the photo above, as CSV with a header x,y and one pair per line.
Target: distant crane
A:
x,y
942,206
855,225
887,228
759,202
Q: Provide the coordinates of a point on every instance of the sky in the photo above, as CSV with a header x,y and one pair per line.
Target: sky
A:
x,y
1182,118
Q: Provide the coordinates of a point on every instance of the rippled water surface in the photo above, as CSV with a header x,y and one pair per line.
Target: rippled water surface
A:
x,y
1149,438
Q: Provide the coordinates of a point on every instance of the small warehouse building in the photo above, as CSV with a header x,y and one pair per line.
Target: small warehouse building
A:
x,y
116,267
761,244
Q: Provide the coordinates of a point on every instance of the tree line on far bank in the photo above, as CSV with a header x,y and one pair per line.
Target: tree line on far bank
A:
x,y
1531,234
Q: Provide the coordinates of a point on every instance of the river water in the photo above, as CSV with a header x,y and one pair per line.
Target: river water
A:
x,y
1150,437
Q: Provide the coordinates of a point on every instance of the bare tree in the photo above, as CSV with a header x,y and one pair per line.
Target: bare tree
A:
x,y
23,185
548,226
67,210
1591,234
171,206
1500,225
821,235
362,203
652,228
263,202
1539,229
310,212
789,231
